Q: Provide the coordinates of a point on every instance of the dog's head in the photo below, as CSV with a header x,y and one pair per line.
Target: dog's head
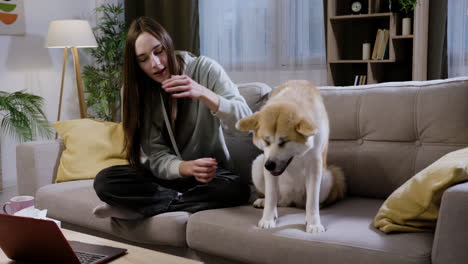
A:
x,y
281,133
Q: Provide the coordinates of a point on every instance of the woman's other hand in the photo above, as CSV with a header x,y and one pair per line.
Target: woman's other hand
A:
x,y
181,86
203,169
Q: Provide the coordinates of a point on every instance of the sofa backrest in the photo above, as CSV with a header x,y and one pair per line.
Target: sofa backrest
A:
x,y
382,134
240,145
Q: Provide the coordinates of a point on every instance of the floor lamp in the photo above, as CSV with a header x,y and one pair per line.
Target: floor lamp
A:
x,y
71,34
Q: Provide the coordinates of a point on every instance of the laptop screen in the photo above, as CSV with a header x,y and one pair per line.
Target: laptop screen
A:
x,y
36,240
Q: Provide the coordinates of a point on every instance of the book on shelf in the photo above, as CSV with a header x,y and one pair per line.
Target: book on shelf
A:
x,y
360,80
376,44
383,45
356,80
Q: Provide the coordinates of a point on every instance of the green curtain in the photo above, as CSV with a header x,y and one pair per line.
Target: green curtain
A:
x,y
437,67
178,17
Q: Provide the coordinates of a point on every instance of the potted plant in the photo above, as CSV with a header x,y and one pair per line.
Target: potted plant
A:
x,y
22,117
104,80
407,7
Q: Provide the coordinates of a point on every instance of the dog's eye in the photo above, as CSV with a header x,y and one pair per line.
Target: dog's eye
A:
x,y
282,143
267,142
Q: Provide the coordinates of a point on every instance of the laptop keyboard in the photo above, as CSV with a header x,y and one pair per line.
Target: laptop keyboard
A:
x,y
89,258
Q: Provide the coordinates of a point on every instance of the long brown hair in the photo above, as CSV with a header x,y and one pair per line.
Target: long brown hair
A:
x,y
136,82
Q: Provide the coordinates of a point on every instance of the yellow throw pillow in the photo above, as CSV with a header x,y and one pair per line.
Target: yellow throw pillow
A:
x,y
90,146
414,206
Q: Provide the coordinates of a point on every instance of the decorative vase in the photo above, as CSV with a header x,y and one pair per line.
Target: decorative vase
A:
x,y
366,51
406,26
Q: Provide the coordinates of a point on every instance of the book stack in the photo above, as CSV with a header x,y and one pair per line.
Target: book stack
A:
x,y
380,50
360,80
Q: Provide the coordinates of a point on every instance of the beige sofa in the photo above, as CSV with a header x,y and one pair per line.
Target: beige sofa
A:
x,y
381,135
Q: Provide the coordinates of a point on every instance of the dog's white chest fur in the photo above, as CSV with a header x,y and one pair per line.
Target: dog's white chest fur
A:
x,y
292,183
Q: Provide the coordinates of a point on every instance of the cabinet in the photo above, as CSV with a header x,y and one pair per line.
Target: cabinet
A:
x,y
407,55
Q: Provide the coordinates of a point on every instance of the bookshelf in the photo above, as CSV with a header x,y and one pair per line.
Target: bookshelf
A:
x,y
405,56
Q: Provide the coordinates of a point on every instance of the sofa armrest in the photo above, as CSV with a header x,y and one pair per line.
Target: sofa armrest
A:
x,y
36,164
452,231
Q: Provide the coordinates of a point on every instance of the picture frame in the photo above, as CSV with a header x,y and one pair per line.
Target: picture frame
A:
x,y
12,21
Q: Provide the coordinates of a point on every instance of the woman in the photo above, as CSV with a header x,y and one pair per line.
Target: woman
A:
x,y
173,108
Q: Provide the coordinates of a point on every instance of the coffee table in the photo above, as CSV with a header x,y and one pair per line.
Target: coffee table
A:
x,y
135,255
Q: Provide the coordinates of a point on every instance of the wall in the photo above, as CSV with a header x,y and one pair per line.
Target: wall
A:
x,y
25,64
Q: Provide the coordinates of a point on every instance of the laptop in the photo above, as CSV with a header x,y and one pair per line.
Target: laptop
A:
x,y
33,240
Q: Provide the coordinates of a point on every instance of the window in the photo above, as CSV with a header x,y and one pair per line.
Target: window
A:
x,y
263,34
457,38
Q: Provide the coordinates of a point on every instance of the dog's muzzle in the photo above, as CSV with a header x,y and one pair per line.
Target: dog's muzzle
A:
x,y
272,167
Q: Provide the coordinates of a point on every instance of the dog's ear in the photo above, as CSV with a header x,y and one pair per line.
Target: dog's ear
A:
x,y
249,123
306,128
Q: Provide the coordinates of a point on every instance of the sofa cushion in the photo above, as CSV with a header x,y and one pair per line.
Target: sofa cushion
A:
x,y
349,236
73,202
383,134
254,93
90,146
415,205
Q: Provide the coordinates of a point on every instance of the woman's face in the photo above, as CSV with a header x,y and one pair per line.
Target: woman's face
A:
x,y
151,57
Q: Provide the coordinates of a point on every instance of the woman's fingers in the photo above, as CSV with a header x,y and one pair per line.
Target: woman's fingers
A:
x,y
174,83
175,89
204,177
206,162
173,77
182,95
183,86
176,80
205,169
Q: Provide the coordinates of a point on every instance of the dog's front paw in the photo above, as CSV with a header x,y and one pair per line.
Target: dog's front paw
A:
x,y
267,223
259,203
310,228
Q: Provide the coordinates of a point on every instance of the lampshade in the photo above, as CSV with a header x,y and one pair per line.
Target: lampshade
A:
x,y
70,33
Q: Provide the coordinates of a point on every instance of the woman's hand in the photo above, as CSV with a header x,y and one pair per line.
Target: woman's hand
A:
x,y
203,169
181,86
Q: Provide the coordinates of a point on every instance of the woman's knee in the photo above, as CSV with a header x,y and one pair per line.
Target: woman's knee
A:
x,y
103,180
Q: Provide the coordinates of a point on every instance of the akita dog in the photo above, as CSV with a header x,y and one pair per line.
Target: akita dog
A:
x,y
292,129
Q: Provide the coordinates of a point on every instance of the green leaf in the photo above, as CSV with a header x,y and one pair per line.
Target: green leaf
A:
x,y
407,6
23,117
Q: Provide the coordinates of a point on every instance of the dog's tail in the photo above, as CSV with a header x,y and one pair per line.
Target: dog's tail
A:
x,y
338,189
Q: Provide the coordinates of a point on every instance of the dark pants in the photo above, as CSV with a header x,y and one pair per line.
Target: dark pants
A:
x,y
139,190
